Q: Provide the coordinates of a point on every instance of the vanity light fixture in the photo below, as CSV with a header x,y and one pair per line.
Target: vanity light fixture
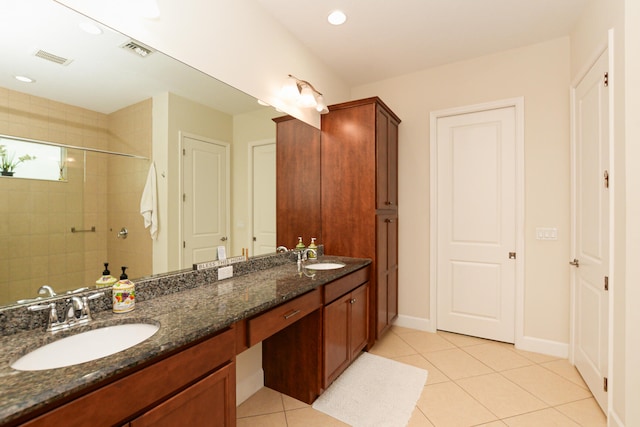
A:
x,y
337,17
302,93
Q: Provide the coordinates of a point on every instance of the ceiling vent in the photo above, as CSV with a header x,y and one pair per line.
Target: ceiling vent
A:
x,y
137,48
53,58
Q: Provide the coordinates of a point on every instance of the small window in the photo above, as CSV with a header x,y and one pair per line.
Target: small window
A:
x,y
27,159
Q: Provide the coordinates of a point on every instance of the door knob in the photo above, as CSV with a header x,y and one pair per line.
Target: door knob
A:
x,y
575,262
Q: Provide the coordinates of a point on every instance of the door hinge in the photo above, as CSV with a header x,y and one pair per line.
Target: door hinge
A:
x,y
605,384
184,244
606,283
184,197
605,80
184,151
512,255
606,179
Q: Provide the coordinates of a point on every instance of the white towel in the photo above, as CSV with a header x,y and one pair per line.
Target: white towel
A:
x,y
149,203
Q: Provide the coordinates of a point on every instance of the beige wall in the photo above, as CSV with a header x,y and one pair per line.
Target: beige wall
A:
x,y
540,73
247,128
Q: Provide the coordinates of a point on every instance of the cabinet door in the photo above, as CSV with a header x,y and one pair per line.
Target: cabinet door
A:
x,y
386,271
336,338
209,402
386,160
359,320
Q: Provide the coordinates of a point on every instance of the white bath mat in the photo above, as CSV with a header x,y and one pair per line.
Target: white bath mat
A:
x,y
374,392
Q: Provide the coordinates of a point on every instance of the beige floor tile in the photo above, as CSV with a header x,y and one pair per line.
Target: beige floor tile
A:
x,y
585,412
426,341
457,364
399,330
545,417
391,345
271,420
291,403
497,357
264,401
501,396
309,417
565,369
546,385
461,340
447,404
418,419
419,361
492,424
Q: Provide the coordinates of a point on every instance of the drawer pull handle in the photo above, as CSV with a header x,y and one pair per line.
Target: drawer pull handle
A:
x,y
290,315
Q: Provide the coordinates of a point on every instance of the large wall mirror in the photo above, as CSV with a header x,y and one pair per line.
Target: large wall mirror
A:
x,y
119,107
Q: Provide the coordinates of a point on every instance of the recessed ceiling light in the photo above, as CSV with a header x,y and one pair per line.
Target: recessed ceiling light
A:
x,y
337,17
90,28
25,79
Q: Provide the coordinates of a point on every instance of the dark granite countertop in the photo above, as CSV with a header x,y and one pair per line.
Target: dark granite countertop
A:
x,y
183,317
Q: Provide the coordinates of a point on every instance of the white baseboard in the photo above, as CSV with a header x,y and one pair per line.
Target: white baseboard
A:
x,y
614,420
249,386
548,347
418,323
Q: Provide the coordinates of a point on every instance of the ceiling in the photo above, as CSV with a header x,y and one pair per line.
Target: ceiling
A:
x,y
388,38
381,39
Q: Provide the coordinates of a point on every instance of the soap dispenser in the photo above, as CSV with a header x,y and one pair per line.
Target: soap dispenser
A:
x,y
106,279
312,245
124,294
300,246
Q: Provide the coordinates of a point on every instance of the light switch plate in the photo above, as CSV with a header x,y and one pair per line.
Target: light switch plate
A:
x,y
546,233
225,272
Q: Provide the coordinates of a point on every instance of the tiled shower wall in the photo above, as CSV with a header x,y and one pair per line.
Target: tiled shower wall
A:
x,y
36,216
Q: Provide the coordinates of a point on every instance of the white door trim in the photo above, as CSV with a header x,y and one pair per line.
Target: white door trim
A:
x,y
518,104
250,148
227,147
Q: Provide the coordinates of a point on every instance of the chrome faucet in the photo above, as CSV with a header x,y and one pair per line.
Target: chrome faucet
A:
x,y
46,289
70,319
303,255
282,249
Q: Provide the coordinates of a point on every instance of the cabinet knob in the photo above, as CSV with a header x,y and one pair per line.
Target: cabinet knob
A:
x,y
388,220
388,203
352,301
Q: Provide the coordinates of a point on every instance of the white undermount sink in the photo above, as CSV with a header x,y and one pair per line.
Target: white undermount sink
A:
x,y
85,346
324,266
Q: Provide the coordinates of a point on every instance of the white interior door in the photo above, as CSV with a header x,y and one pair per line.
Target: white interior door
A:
x,y
205,210
591,229
263,209
476,223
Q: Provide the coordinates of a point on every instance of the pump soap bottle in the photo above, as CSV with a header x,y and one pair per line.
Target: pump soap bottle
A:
x,y
300,246
312,245
106,279
124,294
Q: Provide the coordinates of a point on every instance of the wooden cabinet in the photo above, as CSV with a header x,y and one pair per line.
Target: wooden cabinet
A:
x,y
359,180
345,331
297,182
195,386
301,359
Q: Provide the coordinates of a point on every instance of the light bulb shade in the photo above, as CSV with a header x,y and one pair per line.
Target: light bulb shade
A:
x,y
321,106
289,89
307,97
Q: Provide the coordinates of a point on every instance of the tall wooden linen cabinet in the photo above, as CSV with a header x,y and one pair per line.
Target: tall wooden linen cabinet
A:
x,y
359,197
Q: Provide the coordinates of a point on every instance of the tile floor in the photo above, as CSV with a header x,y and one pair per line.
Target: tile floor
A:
x,y
472,382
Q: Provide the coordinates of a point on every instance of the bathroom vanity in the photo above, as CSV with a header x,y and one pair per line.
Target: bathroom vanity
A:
x,y
185,374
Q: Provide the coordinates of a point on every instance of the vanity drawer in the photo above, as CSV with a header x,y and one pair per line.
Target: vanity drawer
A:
x,y
278,318
343,285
